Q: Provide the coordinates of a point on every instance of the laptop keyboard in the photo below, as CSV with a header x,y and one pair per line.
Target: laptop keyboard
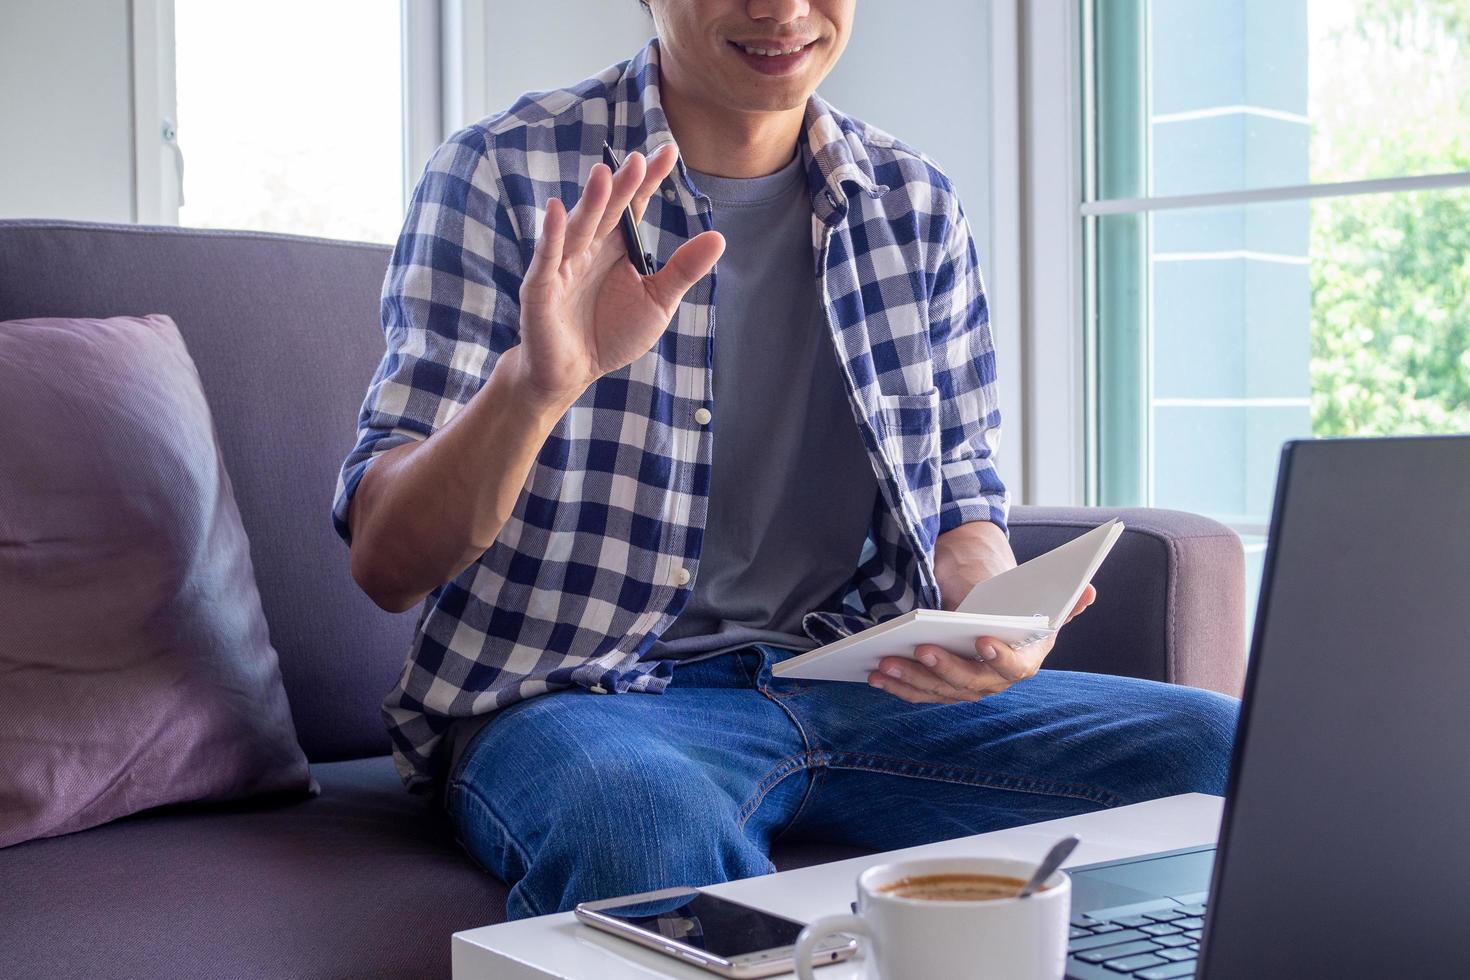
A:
x,y
1157,941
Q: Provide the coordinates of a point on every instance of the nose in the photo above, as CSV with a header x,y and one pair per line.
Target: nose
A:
x,y
780,11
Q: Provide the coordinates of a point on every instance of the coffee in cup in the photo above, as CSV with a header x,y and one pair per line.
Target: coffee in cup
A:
x,y
953,887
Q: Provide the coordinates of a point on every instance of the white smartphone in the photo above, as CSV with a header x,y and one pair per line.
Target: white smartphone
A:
x,y
715,933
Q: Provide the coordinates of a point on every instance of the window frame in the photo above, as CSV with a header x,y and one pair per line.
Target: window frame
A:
x,y
1040,195
446,80
157,164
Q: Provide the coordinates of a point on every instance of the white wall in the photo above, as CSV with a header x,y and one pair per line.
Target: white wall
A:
x,y
921,70
66,118
553,43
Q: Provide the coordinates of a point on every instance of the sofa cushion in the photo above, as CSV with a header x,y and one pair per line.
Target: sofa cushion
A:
x,y
285,332
135,662
363,880
360,881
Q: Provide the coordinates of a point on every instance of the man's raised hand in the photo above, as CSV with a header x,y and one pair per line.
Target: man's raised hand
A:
x,y
585,310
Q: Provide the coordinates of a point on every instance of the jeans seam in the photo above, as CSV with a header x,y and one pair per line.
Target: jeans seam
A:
x,y
898,766
745,667
776,775
811,789
775,699
806,744
458,787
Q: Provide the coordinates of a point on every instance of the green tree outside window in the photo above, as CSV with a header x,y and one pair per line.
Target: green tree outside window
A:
x,y
1391,272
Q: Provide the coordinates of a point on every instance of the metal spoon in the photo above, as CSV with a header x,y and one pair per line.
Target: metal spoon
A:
x,y
1060,851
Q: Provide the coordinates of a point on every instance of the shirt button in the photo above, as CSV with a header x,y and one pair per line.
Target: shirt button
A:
x,y
670,194
681,577
702,416
597,689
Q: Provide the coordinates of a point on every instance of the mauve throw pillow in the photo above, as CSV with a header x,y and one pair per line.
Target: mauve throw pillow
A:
x,y
135,664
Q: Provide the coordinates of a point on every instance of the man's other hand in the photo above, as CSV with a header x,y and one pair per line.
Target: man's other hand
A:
x,y
935,676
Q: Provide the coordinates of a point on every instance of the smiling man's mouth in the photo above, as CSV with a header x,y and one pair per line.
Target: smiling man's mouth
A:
x,y
774,56
767,49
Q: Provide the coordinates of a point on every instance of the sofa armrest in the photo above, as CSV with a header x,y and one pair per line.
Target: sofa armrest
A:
x,y
1171,595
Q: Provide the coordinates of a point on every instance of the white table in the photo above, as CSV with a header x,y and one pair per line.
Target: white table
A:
x,y
558,946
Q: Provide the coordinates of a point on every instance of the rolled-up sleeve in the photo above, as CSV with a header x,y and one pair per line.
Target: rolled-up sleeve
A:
x,y
450,308
964,373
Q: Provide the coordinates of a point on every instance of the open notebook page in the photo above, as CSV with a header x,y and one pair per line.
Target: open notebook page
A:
x,y
1048,585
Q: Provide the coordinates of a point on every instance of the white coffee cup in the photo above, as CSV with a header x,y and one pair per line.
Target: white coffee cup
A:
x,y
994,939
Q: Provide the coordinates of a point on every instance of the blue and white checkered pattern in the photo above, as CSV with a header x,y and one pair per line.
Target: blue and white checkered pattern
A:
x,y
603,548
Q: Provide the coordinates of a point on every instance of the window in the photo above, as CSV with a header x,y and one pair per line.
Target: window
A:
x,y
290,116
1277,228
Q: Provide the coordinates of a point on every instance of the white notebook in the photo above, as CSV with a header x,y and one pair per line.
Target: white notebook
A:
x,y
1025,604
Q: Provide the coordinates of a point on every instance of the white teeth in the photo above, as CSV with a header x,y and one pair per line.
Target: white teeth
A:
x,y
768,52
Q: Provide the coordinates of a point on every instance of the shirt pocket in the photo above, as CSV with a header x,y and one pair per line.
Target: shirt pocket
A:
x,y
908,425
915,415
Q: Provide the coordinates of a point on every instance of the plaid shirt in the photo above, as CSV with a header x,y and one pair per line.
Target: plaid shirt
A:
x,y
603,548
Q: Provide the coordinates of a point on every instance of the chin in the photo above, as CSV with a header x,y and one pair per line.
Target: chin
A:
x,y
771,105
767,98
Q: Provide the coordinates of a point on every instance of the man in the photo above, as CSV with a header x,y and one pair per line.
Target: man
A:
x,y
624,498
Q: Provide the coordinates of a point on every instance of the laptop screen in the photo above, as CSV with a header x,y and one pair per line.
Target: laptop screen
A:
x,y
1343,850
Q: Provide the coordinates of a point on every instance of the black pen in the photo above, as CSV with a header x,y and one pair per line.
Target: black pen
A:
x,y
641,260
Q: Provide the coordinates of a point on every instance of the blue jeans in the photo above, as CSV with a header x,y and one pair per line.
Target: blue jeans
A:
x,y
574,796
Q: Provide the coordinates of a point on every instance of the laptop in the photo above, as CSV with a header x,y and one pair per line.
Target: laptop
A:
x,y
1345,845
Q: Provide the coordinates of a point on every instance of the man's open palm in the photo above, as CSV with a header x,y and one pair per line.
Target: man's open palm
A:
x,y
585,310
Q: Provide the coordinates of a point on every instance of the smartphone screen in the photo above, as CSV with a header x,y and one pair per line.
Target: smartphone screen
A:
x,y
705,922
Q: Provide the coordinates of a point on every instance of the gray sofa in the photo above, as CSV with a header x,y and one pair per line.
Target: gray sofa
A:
x,y
365,880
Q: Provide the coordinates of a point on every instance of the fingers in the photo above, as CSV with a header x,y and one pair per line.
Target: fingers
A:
x,y
936,676
916,676
601,207
547,256
690,263
626,182
1011,663
587,215
660,165
1088,597
907,692
938,672
960,673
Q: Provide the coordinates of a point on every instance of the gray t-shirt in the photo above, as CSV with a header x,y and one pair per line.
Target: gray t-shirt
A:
x,y
792,490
